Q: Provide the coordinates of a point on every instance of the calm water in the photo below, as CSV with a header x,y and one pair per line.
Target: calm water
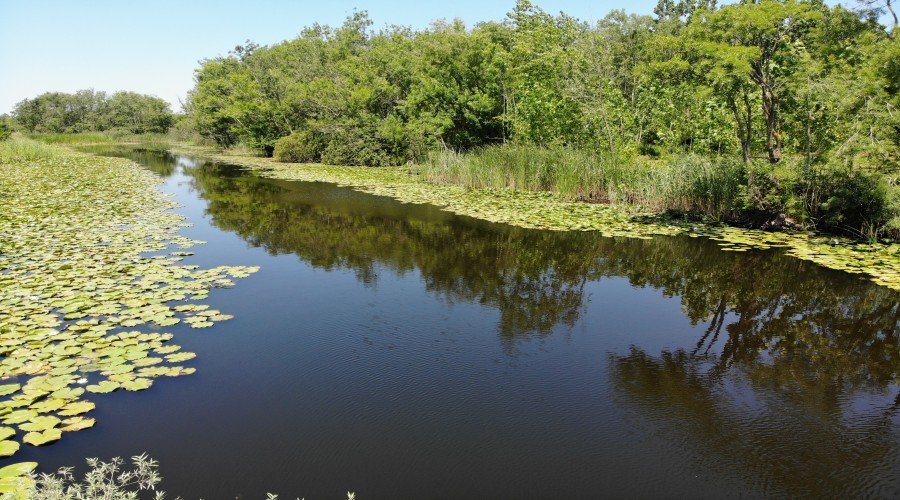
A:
x,y
402,352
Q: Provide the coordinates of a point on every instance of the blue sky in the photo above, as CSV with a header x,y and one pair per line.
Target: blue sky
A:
x,y
153,46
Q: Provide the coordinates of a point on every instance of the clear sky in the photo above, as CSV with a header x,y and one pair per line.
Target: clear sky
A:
x,y
153,47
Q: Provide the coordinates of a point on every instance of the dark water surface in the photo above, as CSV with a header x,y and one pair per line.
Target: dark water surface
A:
x,y
399,351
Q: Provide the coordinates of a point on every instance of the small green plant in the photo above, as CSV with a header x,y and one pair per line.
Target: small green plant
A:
x,y
110,480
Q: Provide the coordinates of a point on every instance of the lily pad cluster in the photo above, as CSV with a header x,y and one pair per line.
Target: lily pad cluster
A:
x,y
880,262
89,277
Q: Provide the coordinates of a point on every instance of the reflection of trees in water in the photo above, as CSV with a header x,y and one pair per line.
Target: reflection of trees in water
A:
x,y
791,432
801,339
535,279
763,391
159,162
770,310
756,303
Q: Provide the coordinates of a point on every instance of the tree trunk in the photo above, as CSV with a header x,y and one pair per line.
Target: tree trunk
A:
x,y
743,124
891,9
773,124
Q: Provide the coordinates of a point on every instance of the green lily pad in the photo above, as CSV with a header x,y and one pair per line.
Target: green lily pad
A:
x,y
40,424
180,357
42,438
76,408
7,389
77,424
17,470
19,416
138,384
103,387
8,448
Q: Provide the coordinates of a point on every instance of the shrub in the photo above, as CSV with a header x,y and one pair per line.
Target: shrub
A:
x,y
357,146
302,146
5,130
852,202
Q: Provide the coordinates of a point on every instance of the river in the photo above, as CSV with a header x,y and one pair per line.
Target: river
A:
x,y
400,351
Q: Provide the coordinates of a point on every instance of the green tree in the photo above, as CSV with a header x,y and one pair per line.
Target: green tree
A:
x,y
754,43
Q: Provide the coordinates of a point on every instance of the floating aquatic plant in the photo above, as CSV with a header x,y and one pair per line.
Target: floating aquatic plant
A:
x,y
880,262
86,284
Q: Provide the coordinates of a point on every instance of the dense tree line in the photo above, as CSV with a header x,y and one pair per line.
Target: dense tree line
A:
x,y
765,82
90,111
752,78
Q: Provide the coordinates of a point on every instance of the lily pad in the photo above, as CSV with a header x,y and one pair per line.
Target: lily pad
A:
x,y
103,387
42,438
40,424
17,470
138,384
76,408
77,424
8,448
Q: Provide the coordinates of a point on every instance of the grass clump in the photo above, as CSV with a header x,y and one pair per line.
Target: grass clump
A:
x,y
5,130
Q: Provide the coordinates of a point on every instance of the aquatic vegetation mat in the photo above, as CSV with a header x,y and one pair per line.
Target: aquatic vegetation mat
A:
x,y
89,278
879,261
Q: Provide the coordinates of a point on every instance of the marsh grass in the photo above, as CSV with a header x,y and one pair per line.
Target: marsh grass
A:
x,y
107,137
694,184
23,149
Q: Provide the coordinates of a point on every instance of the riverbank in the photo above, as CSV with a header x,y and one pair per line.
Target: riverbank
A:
x,y
879,261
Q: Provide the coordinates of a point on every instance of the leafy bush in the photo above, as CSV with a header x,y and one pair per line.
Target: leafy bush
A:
x,y
5,128
302,146
357,146
852,202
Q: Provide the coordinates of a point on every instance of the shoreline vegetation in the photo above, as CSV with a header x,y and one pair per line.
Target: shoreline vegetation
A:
x,y
880,261
778,114
877,260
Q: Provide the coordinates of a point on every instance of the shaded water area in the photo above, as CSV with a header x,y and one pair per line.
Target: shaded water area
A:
x,y
399,351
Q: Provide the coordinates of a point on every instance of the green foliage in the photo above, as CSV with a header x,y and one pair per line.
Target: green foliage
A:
x,y
302,146
104,480
89,111
792,81
6,128
682,183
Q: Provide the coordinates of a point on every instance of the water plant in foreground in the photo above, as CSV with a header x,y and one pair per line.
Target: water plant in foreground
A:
x,y
103,481
89,275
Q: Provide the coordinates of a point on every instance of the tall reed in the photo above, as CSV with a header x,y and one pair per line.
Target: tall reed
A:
x,y
688,183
